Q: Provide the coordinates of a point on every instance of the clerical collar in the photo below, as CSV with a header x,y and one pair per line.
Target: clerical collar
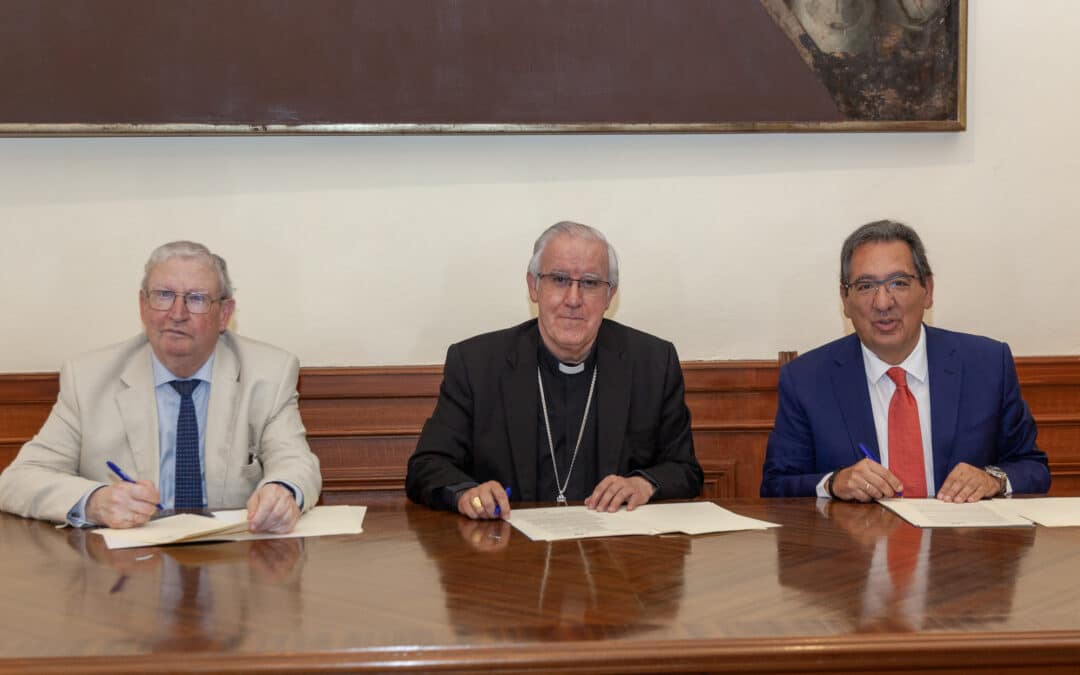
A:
x,y
553,365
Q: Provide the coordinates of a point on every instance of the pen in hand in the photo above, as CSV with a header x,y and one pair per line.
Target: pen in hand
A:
x,y
126,478
498,509
866,454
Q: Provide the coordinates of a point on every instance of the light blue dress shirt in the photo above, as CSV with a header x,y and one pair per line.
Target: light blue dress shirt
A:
x,y
168,410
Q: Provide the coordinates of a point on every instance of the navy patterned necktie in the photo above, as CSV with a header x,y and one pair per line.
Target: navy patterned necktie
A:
x,y
189,492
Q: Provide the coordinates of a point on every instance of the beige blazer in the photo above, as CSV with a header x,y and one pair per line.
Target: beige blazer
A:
x,y
107,410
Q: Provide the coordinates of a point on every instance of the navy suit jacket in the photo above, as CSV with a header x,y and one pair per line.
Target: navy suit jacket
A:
x,y
484,426
976,415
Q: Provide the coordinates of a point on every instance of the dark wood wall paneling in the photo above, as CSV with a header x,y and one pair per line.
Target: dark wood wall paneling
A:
x,y
363,422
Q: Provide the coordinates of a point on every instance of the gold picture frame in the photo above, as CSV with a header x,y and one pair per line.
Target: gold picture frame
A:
x,y
269,67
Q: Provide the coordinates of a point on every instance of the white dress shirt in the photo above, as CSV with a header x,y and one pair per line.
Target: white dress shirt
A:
x,y
881,388
881,392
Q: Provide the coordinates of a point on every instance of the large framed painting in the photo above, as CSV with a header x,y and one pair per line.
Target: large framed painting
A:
x,y
83,67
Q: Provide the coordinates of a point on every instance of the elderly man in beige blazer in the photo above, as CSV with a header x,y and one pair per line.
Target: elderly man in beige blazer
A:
x,y
116,404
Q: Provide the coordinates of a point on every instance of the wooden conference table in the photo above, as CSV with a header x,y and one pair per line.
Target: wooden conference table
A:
x,y
425,591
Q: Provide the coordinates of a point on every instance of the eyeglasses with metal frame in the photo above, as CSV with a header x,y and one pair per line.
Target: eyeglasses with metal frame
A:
x,y
894,284
196,303
562,282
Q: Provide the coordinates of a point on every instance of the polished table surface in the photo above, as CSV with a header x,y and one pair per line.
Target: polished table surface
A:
x,y
840,587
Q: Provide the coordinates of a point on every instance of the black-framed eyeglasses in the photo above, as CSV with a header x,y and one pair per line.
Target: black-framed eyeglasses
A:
x,y
894,284
562,282
196,303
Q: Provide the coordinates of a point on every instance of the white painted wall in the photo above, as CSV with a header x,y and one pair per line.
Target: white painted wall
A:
x,y
383,250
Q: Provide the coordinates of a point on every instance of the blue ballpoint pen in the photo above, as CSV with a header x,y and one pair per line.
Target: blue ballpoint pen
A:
x,y
498,510
126,478
866,454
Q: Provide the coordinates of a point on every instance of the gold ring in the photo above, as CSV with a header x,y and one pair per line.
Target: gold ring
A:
x,y
477,504
867,488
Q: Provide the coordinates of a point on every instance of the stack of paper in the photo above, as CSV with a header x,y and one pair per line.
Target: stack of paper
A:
x,y
576,522
936,513
1046,511
232,526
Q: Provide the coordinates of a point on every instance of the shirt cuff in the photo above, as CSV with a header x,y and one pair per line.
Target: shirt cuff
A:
x,y
297,493
821,491
76,516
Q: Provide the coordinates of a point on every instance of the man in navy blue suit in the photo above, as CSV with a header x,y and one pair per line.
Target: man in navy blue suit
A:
x,y
900,408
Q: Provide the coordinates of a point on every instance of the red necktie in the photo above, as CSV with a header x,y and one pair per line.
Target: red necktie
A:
x,y
903,556
905,437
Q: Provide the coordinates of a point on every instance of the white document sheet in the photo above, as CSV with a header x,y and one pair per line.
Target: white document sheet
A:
x,y
232,526
936,513
577,522
175,529
1046,511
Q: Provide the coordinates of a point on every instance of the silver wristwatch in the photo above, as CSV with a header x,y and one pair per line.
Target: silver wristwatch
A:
x,y
1002,478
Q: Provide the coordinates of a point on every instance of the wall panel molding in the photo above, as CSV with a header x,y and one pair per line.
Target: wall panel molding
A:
x,y
363,422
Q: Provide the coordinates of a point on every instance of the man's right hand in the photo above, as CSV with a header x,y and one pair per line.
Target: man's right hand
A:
x,y
123,505
866,481
479,502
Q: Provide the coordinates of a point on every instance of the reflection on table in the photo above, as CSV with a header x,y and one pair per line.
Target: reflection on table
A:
x,y
839,586
586,589
913,579
168,599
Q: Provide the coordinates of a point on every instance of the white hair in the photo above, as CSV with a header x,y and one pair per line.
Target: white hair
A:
x,y
190,250
580,231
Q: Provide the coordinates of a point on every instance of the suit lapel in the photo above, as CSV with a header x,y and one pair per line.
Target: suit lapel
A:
x,y
613,384
521,400
138,411
220,420
946,375
853,398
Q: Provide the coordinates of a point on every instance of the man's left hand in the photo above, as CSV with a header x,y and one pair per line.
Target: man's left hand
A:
x,y
272,509
614,491
967,483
